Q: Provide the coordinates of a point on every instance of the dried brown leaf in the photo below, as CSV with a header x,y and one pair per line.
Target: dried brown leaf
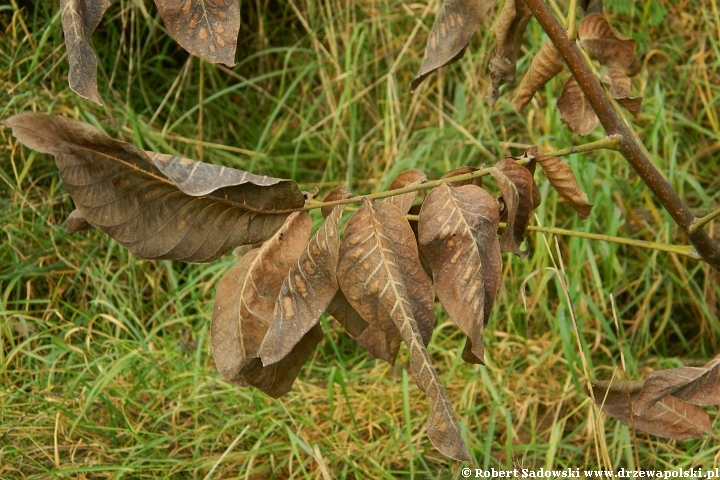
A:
x,y
544,66
125,194
620,90
668,418
458,235
305,293
206,28
607,45
244,309
592,6
405,179
380,274
77,223
462,171
697,386
516,184
575,109
338,193
454,26
79,19
563,180
509,30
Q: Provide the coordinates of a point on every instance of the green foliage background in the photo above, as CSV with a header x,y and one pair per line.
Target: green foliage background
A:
x,y
105,364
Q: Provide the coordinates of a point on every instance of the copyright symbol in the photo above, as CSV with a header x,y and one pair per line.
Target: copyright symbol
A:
x,y
466,472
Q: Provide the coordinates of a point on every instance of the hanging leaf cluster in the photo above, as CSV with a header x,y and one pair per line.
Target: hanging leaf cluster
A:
x,y
458,20
372,279
667,403
207,29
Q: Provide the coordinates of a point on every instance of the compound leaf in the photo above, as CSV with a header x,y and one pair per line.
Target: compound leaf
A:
x,y
206,28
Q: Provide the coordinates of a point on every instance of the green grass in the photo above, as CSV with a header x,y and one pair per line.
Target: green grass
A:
x,y
105,361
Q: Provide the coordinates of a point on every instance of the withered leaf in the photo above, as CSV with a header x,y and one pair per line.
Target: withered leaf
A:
x,y
348,317
536,195
462,171
307,290
698,386
363,274
458,235
406,179
670,417
563,180
380,274
516,185
338,193
77,223
608,46
206,28
454,26
544,66
79,19
575,109
122,192
509,30
244,309
620,90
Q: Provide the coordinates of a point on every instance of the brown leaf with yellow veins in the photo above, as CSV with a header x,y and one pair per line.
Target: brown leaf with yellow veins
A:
x,y
607,45
620,90
462,171
380,274
244,310
668,418
131,197
563,180
509,30
405,179
458,235
305,293
205,28
516,185
454,26
79,19
544,66
697,386
575,109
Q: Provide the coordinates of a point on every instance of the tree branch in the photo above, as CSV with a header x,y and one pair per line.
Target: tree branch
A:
x,y
630,146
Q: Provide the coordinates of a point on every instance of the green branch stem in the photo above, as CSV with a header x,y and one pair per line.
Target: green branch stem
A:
x,y
699,223
608,143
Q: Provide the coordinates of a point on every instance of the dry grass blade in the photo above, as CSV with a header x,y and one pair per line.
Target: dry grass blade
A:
x,y
244,309
205,28
668,418
608,46
516,184
305,293
509,30
80,18
379,272
405,179
544,66
454,26
575,109
458,236
563,180
119,191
